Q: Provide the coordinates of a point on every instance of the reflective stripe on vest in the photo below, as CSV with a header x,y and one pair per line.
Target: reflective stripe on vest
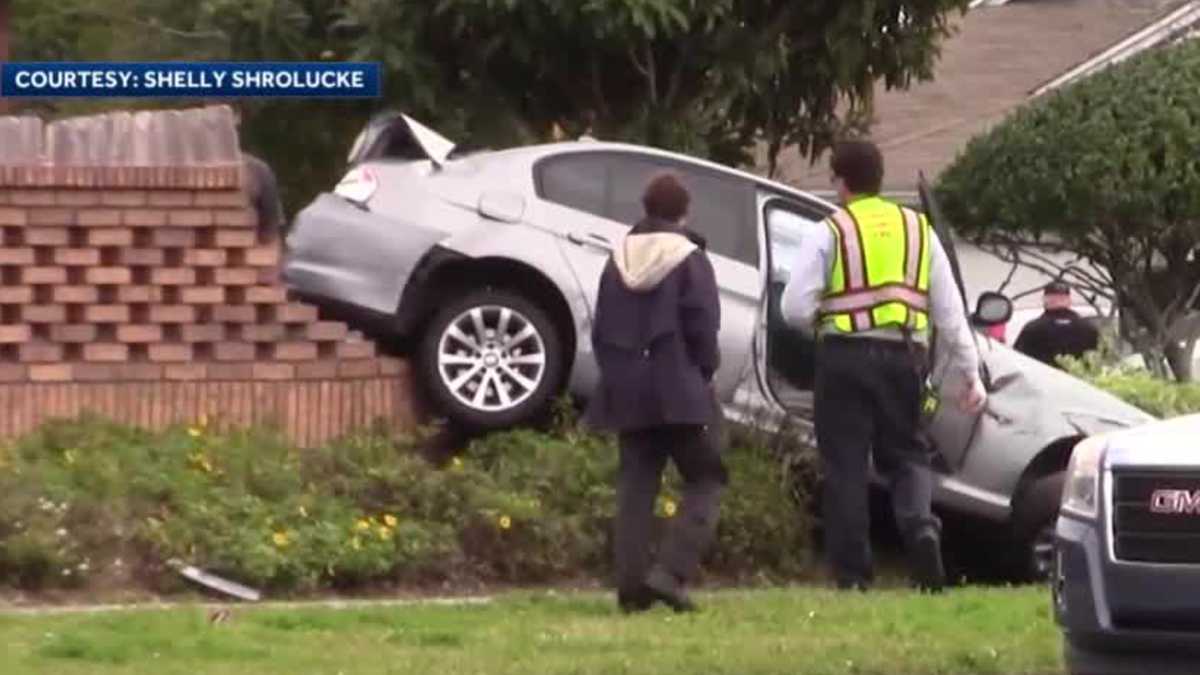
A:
x,y
899,296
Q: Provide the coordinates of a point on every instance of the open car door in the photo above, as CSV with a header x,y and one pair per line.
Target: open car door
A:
x,y
951,430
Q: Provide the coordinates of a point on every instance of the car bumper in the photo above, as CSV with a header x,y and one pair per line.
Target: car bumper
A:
x,y
1147,612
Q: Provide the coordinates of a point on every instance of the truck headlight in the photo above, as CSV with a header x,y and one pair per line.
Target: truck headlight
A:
x,y
1082,488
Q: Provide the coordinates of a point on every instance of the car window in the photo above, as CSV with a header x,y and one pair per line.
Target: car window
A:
x,y
576,181
720,209
786,227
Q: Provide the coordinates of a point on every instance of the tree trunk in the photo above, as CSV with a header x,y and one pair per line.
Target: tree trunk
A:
x,y
1179,357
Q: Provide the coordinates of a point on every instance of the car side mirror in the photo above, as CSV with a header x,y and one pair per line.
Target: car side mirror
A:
x,y
505,207
993,309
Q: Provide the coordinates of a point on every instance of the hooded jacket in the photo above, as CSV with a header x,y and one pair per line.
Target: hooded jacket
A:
x,y
657,317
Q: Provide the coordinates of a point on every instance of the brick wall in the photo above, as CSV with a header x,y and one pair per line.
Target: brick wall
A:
x,y
144,294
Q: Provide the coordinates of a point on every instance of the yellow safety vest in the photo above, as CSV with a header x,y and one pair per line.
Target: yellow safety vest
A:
x,y
880,275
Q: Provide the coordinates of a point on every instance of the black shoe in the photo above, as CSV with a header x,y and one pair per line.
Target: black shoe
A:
x,y
665,588
632,601
926,553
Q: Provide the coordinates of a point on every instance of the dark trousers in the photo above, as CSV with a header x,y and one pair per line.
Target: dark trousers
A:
x,y
867,400
696,453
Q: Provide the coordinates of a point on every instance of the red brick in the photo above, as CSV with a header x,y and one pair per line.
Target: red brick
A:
x,y
43,313
233,351
392,366
78,257
106,314
236,276
189,218
99,217
294,313
266,295
111,236
105,353
96,372
123,197
16,295
10,372
145,217
186,372
132,334
203,295
324,331
31,197
317,370
170,353
54,216
169,198
358,368
227,371
141,257
39,352
236,218
270,332
139,294
175,238
51,372
273,371
355,350
109,276
262,256
235,314
227,198
10,334
172,314
76,295
139,372
76,198
73,333
227,238
204,257
47,236
295,351
173,276
11,216
209,332
43,275
16,256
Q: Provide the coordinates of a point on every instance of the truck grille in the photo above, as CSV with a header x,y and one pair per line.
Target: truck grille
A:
x,y
1156,516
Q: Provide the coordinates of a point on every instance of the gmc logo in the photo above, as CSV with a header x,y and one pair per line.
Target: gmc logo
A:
x,y
1173,502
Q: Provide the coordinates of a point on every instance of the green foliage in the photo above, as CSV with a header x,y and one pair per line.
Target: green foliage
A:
x,y
709,78
1136,386
89,502
1106,169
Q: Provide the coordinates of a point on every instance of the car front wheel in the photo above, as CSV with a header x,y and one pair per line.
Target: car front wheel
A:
x,y
491,359
1034,516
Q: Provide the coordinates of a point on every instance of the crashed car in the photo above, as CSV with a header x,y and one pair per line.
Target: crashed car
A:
x,y
1126,582
488,263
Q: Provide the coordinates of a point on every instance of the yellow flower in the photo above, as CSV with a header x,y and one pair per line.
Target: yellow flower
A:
x,y
195,432
385,532
69,456
669,508
281,539
505,522
457,463
362,525
356,544
390,520
303,511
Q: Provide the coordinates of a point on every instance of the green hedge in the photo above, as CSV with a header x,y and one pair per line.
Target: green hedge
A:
x,y
1136,386
85,502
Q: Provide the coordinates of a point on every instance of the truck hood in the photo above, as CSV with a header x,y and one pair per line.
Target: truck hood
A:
x,y
1170,443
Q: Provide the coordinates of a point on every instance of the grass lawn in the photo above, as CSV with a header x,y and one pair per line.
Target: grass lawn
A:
x,y
744,632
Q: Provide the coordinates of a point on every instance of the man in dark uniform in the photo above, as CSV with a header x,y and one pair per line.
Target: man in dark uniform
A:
x,y
1060,331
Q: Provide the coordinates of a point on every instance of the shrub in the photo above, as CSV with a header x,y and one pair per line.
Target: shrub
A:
x,y
1136,386
88,502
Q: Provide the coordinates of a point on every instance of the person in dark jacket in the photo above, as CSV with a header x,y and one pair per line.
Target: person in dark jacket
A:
x,y
655,339
1060,331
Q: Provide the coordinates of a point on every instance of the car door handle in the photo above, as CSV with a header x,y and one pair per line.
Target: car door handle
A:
x,y
590,239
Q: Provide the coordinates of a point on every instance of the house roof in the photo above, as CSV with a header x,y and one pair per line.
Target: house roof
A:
x,y
999,55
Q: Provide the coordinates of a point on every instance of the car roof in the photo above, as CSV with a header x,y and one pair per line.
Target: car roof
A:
x,y
536,153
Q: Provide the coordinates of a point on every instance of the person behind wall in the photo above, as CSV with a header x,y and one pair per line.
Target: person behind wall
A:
x,y
655,339
1059,331
872,281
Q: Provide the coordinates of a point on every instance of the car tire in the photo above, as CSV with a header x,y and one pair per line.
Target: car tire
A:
x,y
1035,513
497,341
